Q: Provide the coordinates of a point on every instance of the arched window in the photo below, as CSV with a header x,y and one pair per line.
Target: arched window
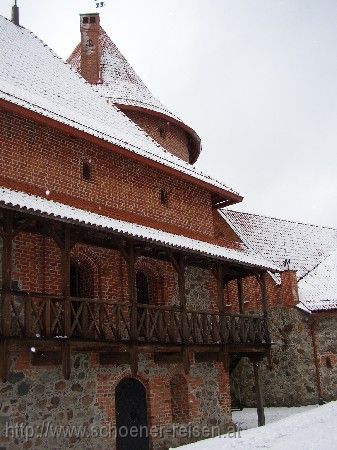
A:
x,y
81,286
143,290
81,281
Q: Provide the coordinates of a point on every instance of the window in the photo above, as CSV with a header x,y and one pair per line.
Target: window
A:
x,y
328,362
92,19
142,286
85,19
86,171
164,197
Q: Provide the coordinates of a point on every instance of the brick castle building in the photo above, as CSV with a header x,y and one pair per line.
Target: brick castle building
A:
x,y
128,298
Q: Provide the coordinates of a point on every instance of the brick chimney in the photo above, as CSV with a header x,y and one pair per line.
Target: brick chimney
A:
x,y
90,48
289,288
15,14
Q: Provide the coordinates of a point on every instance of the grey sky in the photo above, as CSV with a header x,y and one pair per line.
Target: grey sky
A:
x,y
256,79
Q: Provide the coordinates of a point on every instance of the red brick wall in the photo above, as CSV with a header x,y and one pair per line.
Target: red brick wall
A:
x,y
224,234
168,135
48,160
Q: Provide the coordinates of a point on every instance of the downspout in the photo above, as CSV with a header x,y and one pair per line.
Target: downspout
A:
x,y
314,347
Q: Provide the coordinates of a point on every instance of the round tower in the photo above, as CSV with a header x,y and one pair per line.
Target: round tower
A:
x,y
100,62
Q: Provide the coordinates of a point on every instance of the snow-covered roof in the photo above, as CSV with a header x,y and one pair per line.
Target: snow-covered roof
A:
x,y
291,245
119,81
122,86
34,77
309,249
39,205
318,289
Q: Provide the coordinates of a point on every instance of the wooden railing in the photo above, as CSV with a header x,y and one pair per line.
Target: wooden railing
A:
x,y
33,315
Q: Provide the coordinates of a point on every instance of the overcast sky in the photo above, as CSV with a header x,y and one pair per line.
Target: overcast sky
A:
x,y
257,79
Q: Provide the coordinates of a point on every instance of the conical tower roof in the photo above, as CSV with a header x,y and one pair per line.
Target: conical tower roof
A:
x,y
119,82
122,87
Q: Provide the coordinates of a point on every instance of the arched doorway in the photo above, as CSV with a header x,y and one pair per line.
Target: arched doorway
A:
x,y
131,415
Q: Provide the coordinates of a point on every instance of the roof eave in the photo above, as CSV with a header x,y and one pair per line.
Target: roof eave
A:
x,y
194,155
72,131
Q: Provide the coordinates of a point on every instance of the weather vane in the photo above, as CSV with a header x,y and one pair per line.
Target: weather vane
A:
x,y
99,4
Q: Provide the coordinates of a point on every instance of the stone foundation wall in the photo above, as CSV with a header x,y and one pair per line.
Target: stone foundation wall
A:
x,y
326,338
292,380
39,397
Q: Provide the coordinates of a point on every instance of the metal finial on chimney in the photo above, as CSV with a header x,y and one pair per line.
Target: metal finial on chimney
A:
x,y
15,14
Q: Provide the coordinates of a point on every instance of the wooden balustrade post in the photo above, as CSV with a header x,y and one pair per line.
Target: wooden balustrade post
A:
x,y
224,356
241,295
220,287
7,263
264,294
66,249
182,298
180,267
131,262
132,291
259,397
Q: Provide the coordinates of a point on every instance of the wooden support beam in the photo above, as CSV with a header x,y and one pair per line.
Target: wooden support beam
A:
x,y
186,360
114,358
241,295
259,396
7,263
4,360
46,358
264,294
224,357
220,287
134,360
65,255
201,357
168,358
66,360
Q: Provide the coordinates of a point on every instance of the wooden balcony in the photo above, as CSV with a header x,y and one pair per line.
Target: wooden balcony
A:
x,y
42,317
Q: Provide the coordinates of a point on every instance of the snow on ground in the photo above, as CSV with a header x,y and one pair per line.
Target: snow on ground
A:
x,y
313,429
247,418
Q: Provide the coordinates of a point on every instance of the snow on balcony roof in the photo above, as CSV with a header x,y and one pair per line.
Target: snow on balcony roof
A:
x,y
34,77
318,289
120,83
39,205
287,244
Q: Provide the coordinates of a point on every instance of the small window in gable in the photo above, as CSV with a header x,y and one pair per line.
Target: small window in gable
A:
x,y
164,197
86,171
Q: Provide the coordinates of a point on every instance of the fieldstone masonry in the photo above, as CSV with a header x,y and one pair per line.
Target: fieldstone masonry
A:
x,y
292,380
41,400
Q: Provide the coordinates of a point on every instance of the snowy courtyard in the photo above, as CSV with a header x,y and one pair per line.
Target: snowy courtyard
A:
x,y
304,428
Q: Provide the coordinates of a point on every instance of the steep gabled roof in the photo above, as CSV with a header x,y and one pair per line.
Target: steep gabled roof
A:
x,y
318,289
122,87
32,76
293,245
309,249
